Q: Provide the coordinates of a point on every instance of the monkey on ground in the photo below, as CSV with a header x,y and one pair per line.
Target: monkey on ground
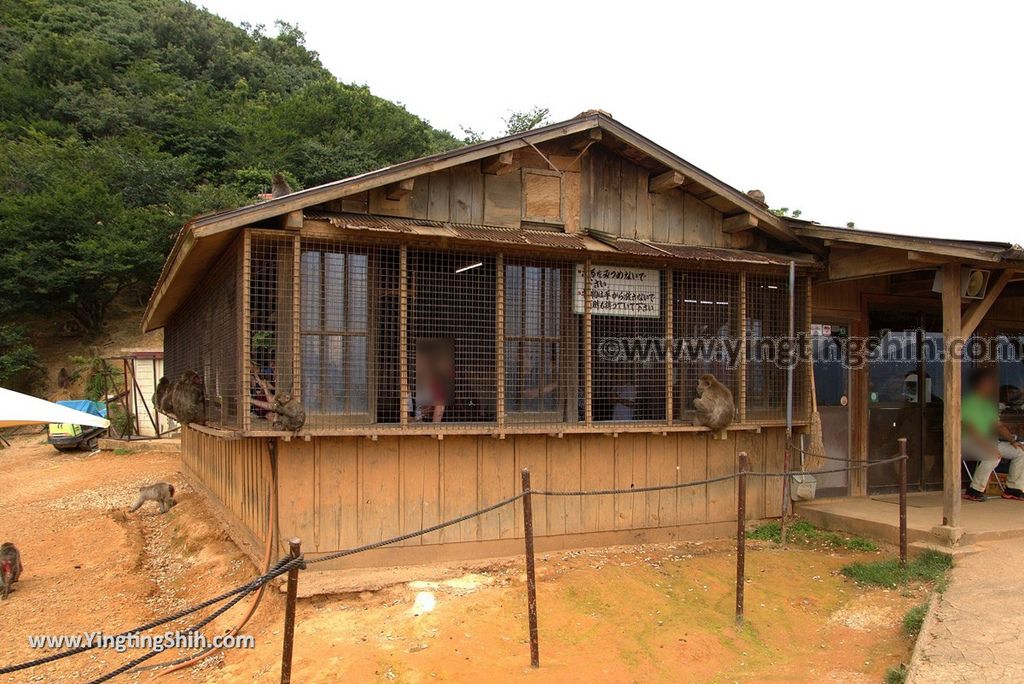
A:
x,y
184,399
713,403
161,492
279,186
10,568
284,411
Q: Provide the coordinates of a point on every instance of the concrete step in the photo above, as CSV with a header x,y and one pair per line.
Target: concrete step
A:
x,y
161,445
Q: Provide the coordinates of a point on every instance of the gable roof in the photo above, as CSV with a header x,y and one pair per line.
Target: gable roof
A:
x,y
204,237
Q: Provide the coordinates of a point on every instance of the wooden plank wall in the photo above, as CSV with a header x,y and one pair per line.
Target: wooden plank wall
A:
x,y
620,204
340,492
236,473
601,190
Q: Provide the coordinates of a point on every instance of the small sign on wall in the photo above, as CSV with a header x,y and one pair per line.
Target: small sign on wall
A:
x,y
620,291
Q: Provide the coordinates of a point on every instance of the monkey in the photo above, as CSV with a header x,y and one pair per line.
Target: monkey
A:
x,y
279,186
162,396
161,492
289,414
713,403
64,379
10,568
756,195
284,411
184,399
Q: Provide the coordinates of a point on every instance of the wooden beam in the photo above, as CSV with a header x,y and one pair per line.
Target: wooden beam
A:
x,y
592,136
397,191
498,165
951,448
914,244
664,182
739,223
870,262
980,308
293,220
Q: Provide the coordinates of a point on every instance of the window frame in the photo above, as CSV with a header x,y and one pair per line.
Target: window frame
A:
x,y
322,248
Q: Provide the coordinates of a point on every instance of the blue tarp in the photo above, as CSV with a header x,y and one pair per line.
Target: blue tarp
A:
x,y
93,408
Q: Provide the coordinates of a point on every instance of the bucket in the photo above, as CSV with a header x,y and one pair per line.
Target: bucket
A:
x,y
803,487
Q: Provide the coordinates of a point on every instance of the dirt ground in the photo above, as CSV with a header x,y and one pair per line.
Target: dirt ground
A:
x,y
629,614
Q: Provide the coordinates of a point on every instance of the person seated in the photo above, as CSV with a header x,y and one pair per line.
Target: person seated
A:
x,y
980,439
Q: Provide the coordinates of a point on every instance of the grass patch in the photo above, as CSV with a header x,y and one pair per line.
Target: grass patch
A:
x,y
896,675
930,566
913,620
122,452
804,532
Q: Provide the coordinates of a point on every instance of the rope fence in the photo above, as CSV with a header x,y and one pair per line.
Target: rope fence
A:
x,y
293,563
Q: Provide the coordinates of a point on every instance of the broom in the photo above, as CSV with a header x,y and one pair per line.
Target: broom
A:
x,y
814,458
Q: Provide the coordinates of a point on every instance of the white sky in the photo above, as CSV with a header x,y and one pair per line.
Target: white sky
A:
x,y
900,116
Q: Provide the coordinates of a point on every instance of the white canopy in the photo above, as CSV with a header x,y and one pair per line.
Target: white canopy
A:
x,y
22,409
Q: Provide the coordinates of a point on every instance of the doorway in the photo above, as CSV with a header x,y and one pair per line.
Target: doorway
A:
x,y
832,393
905,379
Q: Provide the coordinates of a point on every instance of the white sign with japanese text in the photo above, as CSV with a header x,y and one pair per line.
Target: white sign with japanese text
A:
x,y
620,291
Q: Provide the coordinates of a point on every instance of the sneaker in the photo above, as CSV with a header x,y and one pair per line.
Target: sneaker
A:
x,y
1015,494
974,495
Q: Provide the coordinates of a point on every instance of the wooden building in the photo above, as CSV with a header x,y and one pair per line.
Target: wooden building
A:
x,y
448,321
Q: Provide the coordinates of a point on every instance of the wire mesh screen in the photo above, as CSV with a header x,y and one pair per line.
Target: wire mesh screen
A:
x,y
767,331
271,324
348,334
628,311
541,333
706,331
203,337
451,344
326,318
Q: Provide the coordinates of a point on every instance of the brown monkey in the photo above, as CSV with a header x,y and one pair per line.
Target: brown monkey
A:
x,y
713,403
188,399
10,568
162,396
284,411
279,186
161,492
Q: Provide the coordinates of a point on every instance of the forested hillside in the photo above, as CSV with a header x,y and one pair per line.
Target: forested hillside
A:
x,y
120,119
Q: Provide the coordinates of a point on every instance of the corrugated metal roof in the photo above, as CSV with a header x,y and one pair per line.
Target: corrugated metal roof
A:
x,y
463,231
542,238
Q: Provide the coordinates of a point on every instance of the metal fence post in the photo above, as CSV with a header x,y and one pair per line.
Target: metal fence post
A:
x,y
902,441
531,573
785,495
294,545
741,534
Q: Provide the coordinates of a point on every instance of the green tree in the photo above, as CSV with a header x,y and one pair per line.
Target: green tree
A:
x,y
120,119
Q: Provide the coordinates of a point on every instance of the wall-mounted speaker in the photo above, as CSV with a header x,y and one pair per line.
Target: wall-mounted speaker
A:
x,y
973,282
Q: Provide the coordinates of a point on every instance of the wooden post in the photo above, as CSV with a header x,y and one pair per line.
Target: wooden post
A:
x,y
296,325
903,501
245,363
669,360
295,546
741,395
531,570
588,357
499,339
403,335
741,533
951,528
809,359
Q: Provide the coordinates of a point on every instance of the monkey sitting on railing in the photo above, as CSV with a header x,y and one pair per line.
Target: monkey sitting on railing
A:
x,y
713,403
283,411
184,399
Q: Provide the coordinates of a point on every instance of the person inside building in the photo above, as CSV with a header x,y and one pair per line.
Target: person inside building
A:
x,y
987,440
